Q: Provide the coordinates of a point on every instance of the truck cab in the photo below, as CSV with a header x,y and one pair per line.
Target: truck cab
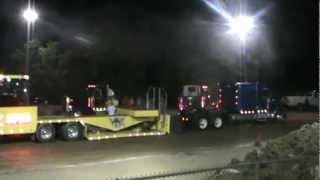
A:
x,y
195,96
94,101
14,90
247,101
198,108
233,102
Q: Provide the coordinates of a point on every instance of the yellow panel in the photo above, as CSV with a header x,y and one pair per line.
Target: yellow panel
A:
x,y
113,123
163,124
14,76
18,120
139,113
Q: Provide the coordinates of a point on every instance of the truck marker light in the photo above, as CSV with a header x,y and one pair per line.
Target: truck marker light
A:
x,y
18,118
241,112
204,87
203,101
258,111
92,86
237,97
245,112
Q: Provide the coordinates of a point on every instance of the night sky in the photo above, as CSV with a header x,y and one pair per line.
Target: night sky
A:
x,y
184,39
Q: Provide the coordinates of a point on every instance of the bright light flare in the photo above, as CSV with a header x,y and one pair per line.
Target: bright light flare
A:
x,y
30,15
218,6
241,26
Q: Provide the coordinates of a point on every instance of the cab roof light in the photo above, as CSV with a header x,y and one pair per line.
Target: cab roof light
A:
x,y
204,87
92,86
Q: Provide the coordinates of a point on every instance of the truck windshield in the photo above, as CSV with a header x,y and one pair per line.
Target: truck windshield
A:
x,y
13,92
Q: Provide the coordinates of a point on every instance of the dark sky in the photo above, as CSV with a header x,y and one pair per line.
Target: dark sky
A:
x,y
283,53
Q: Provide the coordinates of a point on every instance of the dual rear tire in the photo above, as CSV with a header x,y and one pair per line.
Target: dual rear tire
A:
x,y
203,123
68,132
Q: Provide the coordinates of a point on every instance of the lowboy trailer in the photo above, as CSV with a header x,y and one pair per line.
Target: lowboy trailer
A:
x,y
127,123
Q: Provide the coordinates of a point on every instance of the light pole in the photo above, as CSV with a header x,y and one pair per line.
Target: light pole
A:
x,y
31,16
242,27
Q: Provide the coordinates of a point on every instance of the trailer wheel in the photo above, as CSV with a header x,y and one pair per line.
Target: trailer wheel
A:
x,y
203,123
71,131
218,122
281,117
45,133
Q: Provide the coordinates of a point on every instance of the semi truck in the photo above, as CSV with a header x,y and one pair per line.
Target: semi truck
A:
x,y
241,101
18,117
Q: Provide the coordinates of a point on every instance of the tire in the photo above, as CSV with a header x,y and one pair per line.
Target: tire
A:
x,y
218,122
45,133
281,117
71,131
202,123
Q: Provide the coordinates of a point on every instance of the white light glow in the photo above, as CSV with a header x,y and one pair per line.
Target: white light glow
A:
x,y
30,15
241,26
26,77
18,118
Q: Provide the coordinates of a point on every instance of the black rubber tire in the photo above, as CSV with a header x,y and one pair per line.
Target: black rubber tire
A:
x,y
68,128
200,122
216,124
45,133
283,119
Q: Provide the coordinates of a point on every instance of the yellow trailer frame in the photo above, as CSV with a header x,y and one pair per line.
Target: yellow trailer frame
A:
x,y
24,120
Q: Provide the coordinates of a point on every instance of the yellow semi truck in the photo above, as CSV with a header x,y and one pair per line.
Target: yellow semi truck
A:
x,y
15,118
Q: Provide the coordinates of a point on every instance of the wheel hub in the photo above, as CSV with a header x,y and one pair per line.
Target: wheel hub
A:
x,y
72,132
45,133
218,122
203,123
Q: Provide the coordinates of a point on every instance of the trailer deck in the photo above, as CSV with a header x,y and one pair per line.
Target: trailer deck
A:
x,y
127,123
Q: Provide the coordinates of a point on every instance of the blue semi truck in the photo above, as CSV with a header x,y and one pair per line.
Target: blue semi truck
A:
x,y
202,107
